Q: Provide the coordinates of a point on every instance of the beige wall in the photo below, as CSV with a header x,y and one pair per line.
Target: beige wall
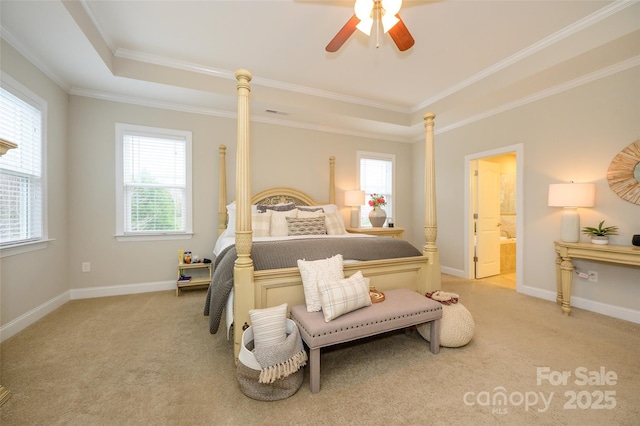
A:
x,y
281,156
570,136
29,280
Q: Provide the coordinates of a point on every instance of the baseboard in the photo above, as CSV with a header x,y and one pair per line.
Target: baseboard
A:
x,y
25,320
451,271
119,290
619,312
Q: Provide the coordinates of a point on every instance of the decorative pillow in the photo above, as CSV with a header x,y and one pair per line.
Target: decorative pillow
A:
x,y
261,224
335,224
306,226
276,207
279,226
313,270
343,296
310,209
307,213
269,325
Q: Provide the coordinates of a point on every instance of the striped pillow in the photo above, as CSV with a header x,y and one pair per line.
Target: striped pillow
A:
x,y
279,226
261,224
306,226
311,271
335,224
269,325
343,296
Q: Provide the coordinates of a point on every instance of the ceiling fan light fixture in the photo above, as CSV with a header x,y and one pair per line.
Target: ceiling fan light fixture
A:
x,y
365,26
391,7
388,21
363,8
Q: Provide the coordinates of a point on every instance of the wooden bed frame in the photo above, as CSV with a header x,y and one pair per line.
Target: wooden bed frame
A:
x,y
261,289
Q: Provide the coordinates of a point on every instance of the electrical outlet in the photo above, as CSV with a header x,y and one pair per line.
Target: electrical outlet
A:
x,y
86,266
593,276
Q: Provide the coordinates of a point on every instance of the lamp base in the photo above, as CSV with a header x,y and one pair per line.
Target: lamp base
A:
x,y
570,225
355,217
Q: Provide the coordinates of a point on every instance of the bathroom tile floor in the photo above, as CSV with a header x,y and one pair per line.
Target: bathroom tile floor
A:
x,y
507,280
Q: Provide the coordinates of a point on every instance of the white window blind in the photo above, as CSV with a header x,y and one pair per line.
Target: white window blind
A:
x,y
154,185
21,193
376,177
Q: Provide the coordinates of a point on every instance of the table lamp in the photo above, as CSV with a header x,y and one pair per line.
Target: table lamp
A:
x,y
354,199
571,196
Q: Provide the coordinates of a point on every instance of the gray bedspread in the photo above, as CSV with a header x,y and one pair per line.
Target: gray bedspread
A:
x,y
285,254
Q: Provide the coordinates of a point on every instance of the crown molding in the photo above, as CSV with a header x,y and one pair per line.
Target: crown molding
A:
x,y
536,47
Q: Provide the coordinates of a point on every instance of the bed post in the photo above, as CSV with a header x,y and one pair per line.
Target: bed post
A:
x,y
332,180
243,269
430,223
222,189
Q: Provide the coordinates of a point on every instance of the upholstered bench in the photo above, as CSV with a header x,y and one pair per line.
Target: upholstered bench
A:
x,y
401,308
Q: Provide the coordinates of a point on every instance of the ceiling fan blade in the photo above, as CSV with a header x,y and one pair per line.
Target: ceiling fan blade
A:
x,y
343,35
401,35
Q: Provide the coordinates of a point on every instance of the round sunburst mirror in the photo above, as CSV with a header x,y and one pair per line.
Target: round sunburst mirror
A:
x,y
624,173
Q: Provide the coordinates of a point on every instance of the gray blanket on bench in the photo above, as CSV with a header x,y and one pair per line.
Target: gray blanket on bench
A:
x,y
285,254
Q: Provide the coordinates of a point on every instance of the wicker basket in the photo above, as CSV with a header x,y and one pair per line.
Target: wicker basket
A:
x,y
248,373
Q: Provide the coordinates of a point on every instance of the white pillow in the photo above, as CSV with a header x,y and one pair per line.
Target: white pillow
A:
x,y
231,212
306,213
343,296
261,224
329,208
335,224
279,227
313,270
269,325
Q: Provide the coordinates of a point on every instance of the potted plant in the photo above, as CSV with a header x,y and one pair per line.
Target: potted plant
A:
x,y
600,235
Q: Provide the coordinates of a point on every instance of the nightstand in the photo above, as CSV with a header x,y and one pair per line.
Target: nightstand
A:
x,y
202,279
395,232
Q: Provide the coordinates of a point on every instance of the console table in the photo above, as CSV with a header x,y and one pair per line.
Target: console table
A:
x,y
626,255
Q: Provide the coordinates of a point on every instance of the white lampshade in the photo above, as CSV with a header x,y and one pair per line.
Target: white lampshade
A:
x,y
354,199
571,196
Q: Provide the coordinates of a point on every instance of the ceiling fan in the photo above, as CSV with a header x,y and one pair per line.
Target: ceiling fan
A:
x,y
378,12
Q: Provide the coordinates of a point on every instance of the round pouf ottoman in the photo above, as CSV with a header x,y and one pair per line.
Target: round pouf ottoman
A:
x,y
456,325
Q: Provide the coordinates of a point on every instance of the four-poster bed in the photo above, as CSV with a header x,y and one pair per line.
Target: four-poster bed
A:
x,y
255,287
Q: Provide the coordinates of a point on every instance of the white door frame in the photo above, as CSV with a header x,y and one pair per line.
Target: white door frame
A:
x,y
468,213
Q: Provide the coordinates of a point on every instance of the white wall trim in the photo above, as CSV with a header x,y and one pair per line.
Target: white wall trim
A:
x,y
619,312
119,290
26,319
39,312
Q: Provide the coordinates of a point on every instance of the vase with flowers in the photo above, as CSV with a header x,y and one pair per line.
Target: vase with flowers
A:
x,y
377,215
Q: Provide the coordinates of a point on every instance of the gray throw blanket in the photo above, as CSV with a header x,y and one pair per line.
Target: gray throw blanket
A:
x,y
279,361
285,254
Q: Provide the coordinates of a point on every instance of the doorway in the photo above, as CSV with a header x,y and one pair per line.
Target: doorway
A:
x,y
494,198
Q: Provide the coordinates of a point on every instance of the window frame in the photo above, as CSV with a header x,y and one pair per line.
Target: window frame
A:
x,y
360,155
23,93
155,132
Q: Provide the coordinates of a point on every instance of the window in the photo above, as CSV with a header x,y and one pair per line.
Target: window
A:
x,y
376,172
153,173
22,191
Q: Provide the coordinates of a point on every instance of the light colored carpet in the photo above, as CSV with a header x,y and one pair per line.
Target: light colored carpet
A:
x,y
149,359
